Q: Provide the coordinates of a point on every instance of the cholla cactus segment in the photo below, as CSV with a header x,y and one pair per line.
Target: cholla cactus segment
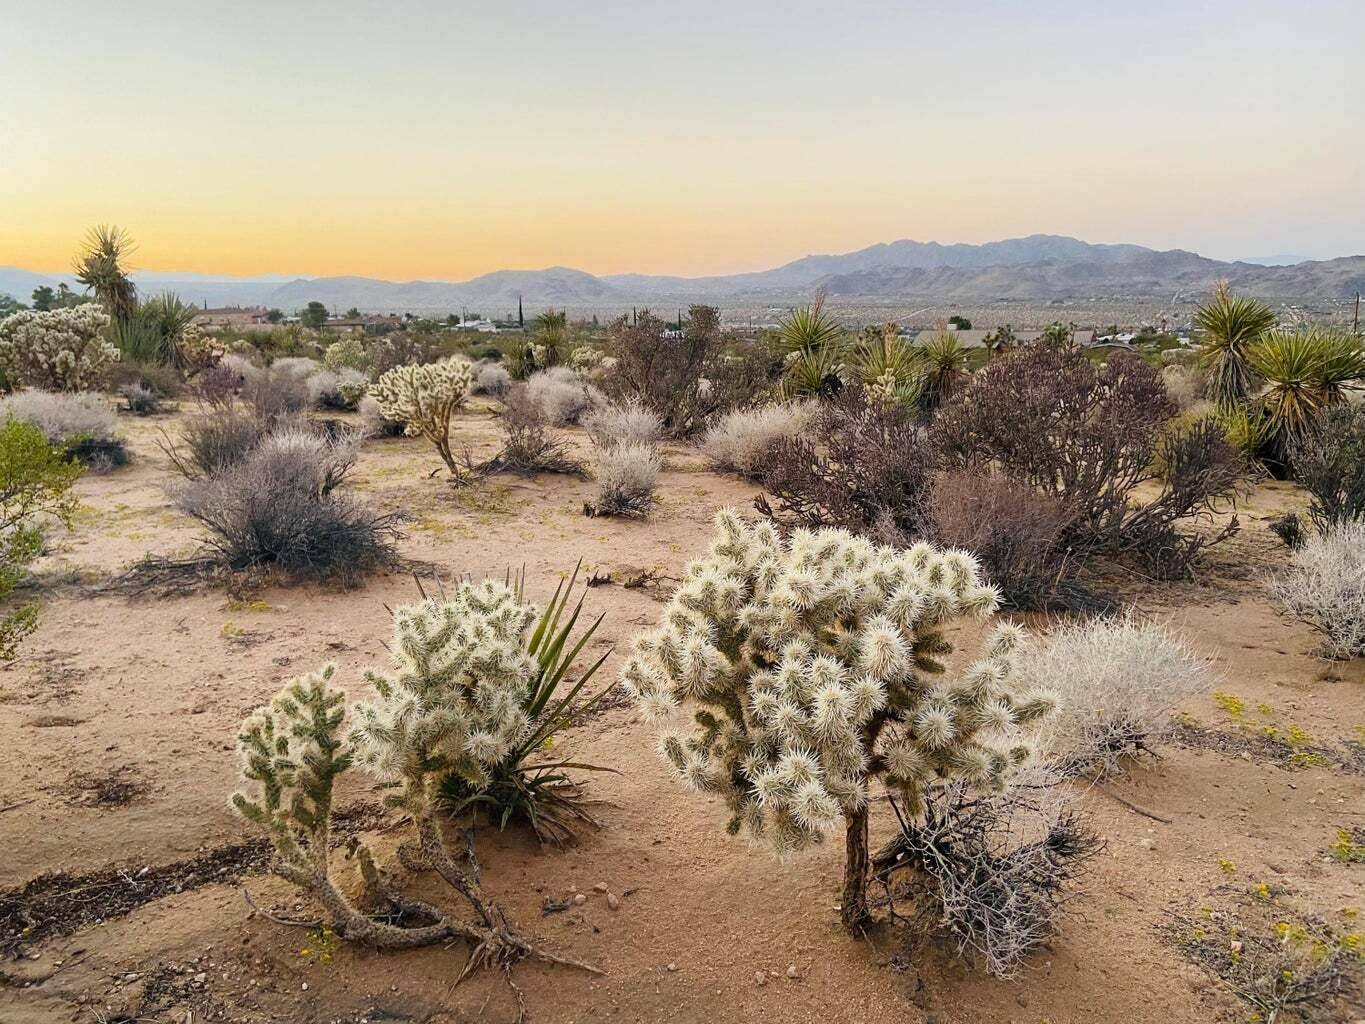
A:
x,y
453,701
291,752
425,397
57,350
813,666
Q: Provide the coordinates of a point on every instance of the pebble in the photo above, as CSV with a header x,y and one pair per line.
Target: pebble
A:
x,y
760,979
200,978
1147,843
792,972
600,887
613,901
304,986
580,899
672,967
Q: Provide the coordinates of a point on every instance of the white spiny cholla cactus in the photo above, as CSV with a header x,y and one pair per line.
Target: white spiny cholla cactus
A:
x,y
425,397
291,752
814,663
57,350
454,700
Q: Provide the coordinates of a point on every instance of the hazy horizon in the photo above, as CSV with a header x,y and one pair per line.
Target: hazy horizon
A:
x,y
430,143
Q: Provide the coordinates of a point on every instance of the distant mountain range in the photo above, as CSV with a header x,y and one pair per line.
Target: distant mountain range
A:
x,y
1041,267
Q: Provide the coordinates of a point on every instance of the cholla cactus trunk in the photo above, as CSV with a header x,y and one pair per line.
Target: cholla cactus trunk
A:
x,y
813,666
425,397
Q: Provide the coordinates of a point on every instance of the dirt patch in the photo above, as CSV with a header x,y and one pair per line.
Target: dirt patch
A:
x,y
53,722
60,904
1271,749
113,788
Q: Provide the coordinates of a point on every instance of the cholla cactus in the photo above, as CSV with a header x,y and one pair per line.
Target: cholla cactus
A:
x,y
425,397
57,350
347,353
197,349
454,699
814,664
585,358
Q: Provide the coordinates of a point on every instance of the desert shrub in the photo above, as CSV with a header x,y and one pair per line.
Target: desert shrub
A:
x,y
1330,465
373,422
452,702
140,400
347,353
627,473
1305,373
810,665
585,358
492,379
1118,681
1089,436
684,381
81,425
1016,533
739,441
628,422
212,442
520,786
278,506
1184,386
529,446
993,871
404,349
35,485
279,390
812,344
561,395
861,464
341,389
1324,587
58,350
425,398
216,386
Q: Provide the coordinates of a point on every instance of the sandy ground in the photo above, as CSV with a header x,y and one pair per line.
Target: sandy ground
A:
x,y
150,691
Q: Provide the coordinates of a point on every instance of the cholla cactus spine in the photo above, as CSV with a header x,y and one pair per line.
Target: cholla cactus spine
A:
x,y
813,663
425,397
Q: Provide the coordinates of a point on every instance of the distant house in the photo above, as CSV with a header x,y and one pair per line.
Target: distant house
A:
x,y
232,317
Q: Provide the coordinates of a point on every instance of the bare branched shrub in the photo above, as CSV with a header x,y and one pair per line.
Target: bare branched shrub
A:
x,y
139,399
404,349
1018,534
627,422
373,422
685,381
739,441
529,445
279,506
1118,681
1330,465
1324,587
562,396
861,465
279,390
991,871
1090,437
82,425
626,477
212,443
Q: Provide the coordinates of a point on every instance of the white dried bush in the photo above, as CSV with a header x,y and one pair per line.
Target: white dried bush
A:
x,y
239,365
339,389
57,350
812,667
630,422
373,422
1324,587
62,416
1184,385
492,379
563,397
1118,681
740,441
626,475
425,398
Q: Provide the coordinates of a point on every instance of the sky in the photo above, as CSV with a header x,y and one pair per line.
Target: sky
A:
x,y
441,139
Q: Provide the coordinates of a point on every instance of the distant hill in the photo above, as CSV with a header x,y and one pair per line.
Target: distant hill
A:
x,y
1036,267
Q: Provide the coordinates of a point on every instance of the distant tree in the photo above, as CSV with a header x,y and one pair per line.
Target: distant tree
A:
x,y
1057,332
314,315
66,298
44,298
453,320
100,267
9,304
960,322
352,314
275,316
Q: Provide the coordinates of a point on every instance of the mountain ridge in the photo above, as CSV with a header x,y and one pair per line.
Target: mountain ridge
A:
x,y
1036,266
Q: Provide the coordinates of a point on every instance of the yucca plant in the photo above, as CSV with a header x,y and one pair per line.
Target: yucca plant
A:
x,y
809,329
168,317
1341,365
100,267
1246,428
945,368
542,793
889,367
810,374
1228,326
1290,363
550,331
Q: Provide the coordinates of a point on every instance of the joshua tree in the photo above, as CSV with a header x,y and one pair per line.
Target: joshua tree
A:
x,y
812,663
453,702
425,397
100,268
1228,326
946,367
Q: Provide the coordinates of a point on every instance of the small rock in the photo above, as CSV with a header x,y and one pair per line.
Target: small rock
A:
x,y
792,972
600,887
1236,946
130,977
613,901
579,899
200,978
304,986
672,967
1147,843
760,979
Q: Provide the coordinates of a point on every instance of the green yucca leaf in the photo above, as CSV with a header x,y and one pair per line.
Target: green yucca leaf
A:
x,y
1227,326
809,329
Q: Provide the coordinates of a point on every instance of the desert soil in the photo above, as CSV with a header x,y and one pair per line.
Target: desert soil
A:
x,y
118,724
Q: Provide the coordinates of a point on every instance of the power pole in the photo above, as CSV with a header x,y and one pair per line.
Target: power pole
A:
x,y
1355,326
